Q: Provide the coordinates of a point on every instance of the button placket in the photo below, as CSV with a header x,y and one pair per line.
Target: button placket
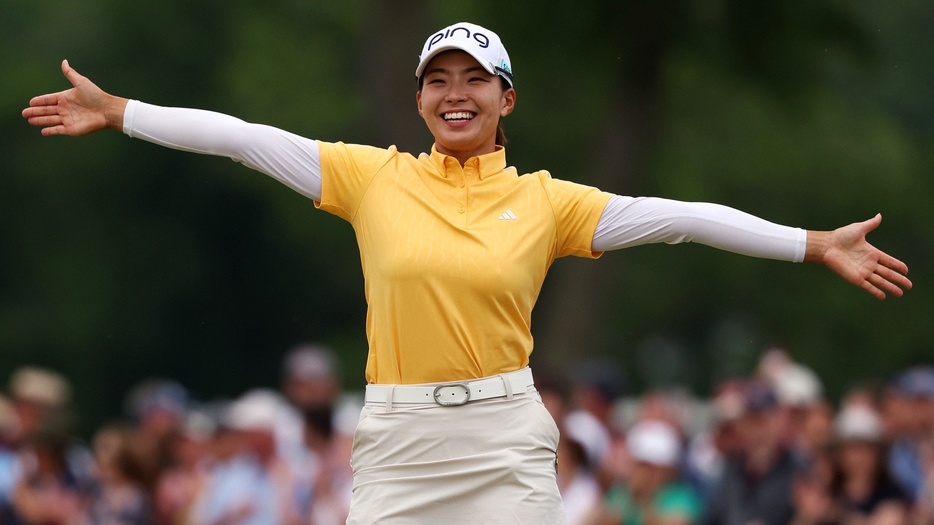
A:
x,y
469,170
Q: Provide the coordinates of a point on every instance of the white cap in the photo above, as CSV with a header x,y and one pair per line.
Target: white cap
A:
x,y
858,422
482,44
797,386
40,385
593,436
310,362
258,409
654,442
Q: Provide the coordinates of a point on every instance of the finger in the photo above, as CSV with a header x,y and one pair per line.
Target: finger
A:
x,y
892,281
872,289
894,277
53,131
39,111
45,121
872,223
886,286
891,262
49,99
73,76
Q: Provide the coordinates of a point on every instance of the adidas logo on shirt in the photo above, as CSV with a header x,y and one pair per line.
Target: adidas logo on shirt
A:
x,y
508,215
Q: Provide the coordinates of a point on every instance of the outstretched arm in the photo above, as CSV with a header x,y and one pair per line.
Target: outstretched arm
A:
x,y
846,252
633,221
83,109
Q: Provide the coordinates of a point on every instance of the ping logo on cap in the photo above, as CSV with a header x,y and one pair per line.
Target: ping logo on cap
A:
x,y
481,43
481,39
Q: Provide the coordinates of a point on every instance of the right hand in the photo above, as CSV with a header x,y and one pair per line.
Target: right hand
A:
x,y
83,109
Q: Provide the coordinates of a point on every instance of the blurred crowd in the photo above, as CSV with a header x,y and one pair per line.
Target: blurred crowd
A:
x,y
765,449
269,457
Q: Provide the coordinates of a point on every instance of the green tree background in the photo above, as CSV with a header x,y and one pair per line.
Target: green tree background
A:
x,y
121,261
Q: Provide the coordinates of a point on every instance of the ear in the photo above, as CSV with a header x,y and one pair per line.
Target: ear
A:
x,y
508,102
418,102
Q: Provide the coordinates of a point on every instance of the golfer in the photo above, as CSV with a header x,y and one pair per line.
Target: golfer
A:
x,y
454,246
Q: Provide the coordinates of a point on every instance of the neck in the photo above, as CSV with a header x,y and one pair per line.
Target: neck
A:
x,y
463,156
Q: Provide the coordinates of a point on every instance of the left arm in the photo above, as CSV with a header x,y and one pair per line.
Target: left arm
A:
x,y
629,221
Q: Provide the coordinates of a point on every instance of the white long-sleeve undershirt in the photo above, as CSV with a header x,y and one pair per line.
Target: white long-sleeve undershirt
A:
x,y
626,221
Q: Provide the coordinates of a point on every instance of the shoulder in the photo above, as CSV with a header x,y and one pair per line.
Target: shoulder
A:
x,y
564,193
361,152
551,184
363,157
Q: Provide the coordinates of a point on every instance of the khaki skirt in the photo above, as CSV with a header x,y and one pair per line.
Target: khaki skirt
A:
x,y
486,462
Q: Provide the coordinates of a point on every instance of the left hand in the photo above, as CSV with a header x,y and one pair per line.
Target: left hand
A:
x,y
846,252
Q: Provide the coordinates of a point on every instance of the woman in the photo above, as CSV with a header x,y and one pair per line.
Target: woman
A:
x,y
454,247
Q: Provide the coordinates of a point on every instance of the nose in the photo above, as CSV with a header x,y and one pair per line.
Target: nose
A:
x,y
455,93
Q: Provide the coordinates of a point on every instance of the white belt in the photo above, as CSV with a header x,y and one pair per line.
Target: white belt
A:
x,y
454,393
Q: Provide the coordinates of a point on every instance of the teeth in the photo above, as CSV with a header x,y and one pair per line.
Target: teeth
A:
x,y
458,115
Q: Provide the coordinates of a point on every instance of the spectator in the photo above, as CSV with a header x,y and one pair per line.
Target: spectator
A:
x,y
48,492
156,407
596,386
809,416
652,493
329,435
182,482
304,434
38,394
50,469
249,484
757,479
708,451
577,481
862,489
118,496
911,400
310,376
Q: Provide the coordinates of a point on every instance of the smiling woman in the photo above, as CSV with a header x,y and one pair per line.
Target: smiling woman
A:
x,y
475,57
462,103
455,247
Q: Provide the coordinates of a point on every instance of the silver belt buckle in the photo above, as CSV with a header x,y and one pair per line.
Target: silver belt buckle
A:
x,y
452,395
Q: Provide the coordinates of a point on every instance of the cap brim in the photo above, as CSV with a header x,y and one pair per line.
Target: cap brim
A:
x,y
489,68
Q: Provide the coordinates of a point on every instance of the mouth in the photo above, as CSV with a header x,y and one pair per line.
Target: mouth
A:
x,y
458,116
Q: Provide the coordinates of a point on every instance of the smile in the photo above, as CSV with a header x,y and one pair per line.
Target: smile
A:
x,y
459,116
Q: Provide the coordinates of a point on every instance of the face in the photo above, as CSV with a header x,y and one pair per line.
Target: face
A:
x,y
647,479
462,104
859,456
760,429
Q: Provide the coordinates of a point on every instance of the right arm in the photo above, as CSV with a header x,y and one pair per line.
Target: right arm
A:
x,y
85,109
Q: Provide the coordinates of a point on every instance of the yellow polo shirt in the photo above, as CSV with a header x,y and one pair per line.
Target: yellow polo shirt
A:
x,y
453,257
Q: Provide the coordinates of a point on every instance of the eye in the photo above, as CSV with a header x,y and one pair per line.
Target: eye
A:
x,y
478,79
